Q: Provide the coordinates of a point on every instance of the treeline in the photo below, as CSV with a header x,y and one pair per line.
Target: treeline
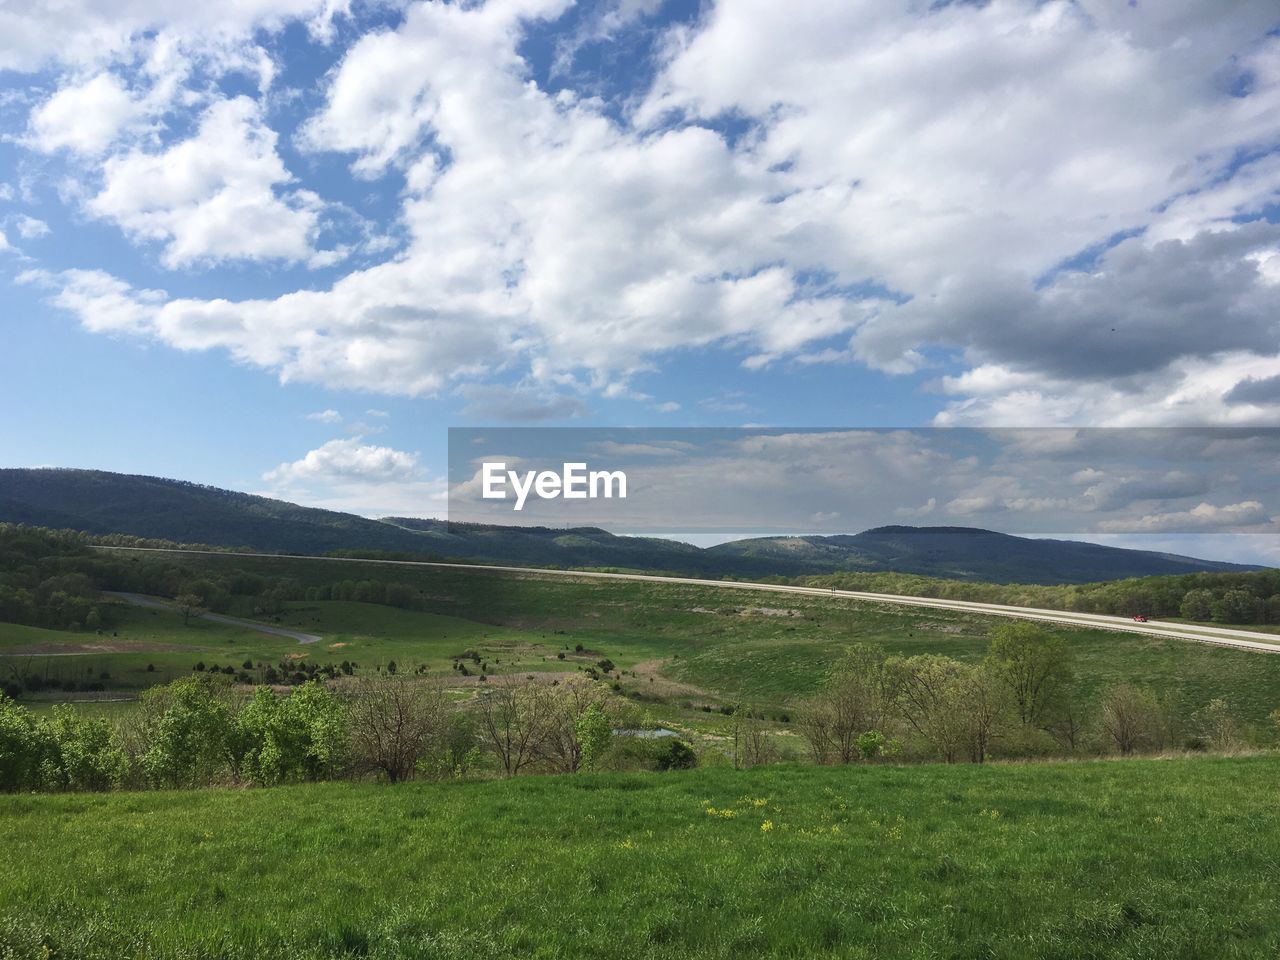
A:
x,y
49,579
55,579
1251,597
199,731
1021,700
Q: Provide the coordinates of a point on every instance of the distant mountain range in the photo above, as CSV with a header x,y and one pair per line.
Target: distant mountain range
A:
x,y
98,502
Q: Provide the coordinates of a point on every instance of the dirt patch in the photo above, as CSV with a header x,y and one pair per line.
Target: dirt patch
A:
x,y
935,627
50,649
338,646
664,687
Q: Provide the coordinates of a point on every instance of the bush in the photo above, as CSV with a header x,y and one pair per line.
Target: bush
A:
x,y
81,754
23,748
303,736
675,754
190,737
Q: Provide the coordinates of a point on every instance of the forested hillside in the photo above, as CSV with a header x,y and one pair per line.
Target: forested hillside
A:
x,y
174,511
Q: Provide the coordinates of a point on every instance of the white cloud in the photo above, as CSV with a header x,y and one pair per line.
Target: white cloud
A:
x,y
903,177
29,228
214,196
79,32
85,118
325,416
360,478
1207,516
347,460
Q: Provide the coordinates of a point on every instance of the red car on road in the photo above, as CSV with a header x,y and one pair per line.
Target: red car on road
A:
x,y
1141,618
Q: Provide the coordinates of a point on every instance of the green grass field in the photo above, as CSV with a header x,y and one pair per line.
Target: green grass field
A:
x,y
1144,858
693,644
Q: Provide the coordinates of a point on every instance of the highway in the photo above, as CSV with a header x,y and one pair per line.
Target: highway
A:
x,y
1254,640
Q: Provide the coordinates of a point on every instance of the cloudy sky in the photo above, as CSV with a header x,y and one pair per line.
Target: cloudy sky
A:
x,y
281,245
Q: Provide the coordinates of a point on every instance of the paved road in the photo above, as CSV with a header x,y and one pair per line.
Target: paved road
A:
x,y
143,601
1218,636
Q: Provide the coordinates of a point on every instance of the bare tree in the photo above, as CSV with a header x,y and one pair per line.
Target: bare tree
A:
x,y
516,718
397,721
1130,718
752,745
1218,727
852,701
561,746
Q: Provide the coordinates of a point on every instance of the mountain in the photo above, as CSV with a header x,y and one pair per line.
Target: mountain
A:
x,y
967,553
98,502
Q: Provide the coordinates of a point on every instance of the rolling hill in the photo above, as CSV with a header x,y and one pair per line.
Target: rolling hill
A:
x,y
101,503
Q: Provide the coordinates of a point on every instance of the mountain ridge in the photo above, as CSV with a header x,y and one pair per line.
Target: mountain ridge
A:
x,y
100,502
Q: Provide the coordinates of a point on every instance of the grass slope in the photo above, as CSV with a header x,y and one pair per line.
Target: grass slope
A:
x,y
1106,859
764,647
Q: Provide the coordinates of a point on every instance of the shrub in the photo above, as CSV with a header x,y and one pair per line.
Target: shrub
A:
x,y
870,744
675,754
23,747
81,754
189,741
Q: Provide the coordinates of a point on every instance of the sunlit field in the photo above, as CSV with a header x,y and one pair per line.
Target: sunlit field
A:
x,y
1142,858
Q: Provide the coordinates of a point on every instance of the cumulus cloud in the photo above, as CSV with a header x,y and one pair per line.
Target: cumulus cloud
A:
x,y
1207,516
325,416
359,477
214,196
85,117
347,459
80,32
1066,200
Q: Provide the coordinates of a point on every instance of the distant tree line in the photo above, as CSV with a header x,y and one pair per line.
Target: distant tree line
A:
x,y
1251,597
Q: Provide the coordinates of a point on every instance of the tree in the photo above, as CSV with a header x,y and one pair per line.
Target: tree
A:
x,y
1034,665
188,603
1217,726
81,753
752,746
955,707
1197,605
516,718
1238,606
852,700
190,737
594,730
396,722
1131,718
303,736
569,702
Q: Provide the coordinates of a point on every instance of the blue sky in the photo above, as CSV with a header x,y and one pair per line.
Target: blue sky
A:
x,y
282,245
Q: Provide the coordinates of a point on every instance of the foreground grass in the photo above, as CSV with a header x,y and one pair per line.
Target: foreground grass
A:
x,y
1176,858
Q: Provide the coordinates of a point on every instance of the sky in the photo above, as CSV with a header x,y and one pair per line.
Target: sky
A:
x,y
282,245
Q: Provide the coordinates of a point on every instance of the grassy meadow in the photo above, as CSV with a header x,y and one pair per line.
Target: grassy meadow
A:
x,y
1141,858
681,647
